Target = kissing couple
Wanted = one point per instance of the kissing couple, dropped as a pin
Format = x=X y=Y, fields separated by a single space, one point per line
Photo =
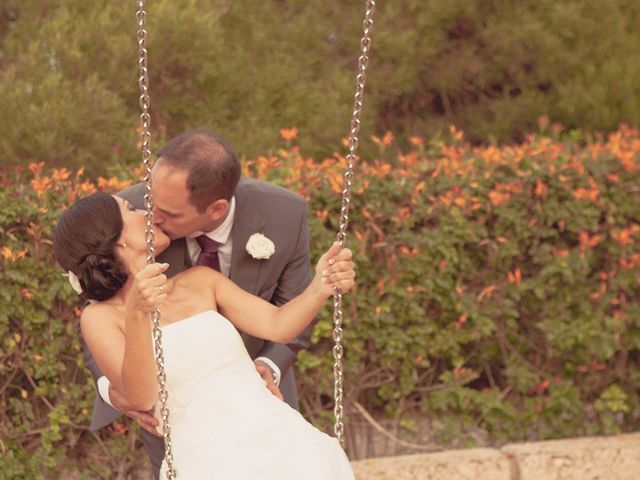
x=237 y=298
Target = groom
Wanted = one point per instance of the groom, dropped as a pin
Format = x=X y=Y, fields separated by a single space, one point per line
x=218 y=219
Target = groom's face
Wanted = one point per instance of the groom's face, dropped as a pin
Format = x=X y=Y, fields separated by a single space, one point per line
x=173 y=212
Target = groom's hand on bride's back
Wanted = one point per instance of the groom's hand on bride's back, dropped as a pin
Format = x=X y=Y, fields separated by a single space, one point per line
x=267 y=375
x=145 y=419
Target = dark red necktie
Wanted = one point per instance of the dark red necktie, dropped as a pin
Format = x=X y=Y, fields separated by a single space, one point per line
x=209 y=254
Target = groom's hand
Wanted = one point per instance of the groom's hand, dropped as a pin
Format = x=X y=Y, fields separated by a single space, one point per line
x=267 y=375
x=145 y=419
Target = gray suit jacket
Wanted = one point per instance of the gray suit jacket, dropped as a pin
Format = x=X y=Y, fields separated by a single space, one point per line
x=281 y=216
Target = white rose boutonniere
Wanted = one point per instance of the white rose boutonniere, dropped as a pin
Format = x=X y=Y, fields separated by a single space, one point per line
x=260 y=247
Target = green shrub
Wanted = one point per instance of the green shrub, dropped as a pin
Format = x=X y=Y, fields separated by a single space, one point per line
x=498 y=287
x=498 y=290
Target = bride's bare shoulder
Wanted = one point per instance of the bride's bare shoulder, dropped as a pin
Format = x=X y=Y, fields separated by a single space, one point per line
x=99 y=313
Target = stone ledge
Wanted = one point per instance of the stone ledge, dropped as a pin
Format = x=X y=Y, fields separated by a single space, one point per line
x=588 y=458
x=449 y=465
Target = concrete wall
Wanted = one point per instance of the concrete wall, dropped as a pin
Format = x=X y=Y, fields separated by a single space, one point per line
x=591 y=458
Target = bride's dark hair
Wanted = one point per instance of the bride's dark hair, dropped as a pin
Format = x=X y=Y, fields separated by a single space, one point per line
x=83 y=243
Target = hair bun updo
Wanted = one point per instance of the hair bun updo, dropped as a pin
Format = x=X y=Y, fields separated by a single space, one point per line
x=101 y=276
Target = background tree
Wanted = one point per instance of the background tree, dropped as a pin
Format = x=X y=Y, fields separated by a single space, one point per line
x=246 y=69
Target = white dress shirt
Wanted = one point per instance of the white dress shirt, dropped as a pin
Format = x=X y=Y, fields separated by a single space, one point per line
x=222 y=235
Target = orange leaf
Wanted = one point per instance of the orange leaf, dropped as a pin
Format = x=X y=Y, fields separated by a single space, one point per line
x=498 y=198
x=541 y=188
x=288 y=134
x=8 y=254
x=514 y=277
x=60 y=174
x=387 y=139
x=486 y=292
x=119 y=428
x=404 y=213
x=460 y=322
x=417 y=141
x=623 y=237
x=586 y=241
x=36 y=168
x=322 y=214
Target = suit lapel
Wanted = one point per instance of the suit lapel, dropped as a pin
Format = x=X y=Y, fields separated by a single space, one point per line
x=245 y=270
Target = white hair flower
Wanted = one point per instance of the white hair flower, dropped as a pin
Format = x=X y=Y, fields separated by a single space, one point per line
x=260 y=247
x=74 y=281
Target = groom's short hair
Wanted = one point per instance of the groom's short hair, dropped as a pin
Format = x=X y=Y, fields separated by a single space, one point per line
x=213 y=168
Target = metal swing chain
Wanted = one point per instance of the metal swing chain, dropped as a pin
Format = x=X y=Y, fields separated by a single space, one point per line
x=145 y=139
x=145 y=136
x=338 y=351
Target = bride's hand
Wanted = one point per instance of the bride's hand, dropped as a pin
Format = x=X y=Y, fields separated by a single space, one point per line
x=149 y=287
x=335 y=270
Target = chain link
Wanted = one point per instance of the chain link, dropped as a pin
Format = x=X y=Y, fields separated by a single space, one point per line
x=338 y=350
x=145 y=140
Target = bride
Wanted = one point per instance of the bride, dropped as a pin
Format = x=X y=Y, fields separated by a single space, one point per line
x=224 y=423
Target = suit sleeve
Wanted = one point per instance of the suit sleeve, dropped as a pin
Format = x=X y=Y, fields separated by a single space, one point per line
x=134 y=195
x=90 y=362
x=295 y=277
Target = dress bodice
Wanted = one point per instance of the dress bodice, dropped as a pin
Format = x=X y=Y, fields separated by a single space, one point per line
x=210 y=375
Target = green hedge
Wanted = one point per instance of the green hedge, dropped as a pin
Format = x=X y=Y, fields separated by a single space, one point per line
x=498 y=291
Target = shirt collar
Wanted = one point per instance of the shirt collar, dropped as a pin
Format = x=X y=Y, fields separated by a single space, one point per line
x=222 y=233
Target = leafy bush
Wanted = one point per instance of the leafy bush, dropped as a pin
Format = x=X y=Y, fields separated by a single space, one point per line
x=498 y=287
x=498 y=291
x=45 y=392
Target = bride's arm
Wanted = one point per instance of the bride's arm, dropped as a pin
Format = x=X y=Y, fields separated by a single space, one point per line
x=126 y=357
x=106 y=341
x=261 y=319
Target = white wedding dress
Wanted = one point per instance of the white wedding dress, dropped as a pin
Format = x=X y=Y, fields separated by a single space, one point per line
x=225 y=424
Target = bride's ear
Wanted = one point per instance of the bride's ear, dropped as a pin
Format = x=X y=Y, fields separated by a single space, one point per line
x=120 y=252
x=120 y=246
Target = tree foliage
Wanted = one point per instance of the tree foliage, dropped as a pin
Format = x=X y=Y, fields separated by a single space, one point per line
x=246 y=69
